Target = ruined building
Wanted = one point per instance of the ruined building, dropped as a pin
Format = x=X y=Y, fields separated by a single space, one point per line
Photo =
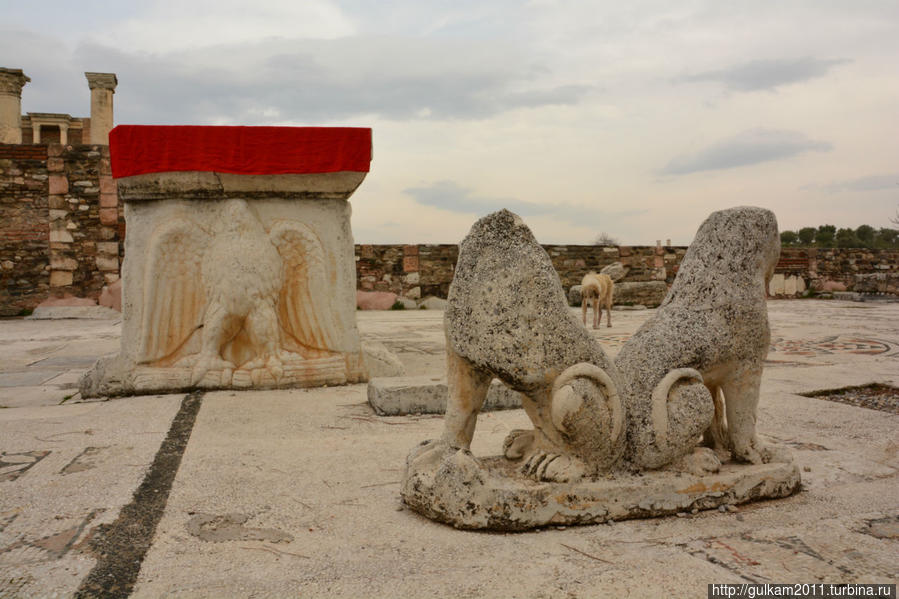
x=61 y=226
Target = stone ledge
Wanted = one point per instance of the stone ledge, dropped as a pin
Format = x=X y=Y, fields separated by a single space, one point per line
x=203 y=185
x=398 y=396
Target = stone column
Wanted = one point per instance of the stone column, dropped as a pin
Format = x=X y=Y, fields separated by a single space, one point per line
x=63 y=133
x=36 y=133
x=11 y=83
x=102 y=88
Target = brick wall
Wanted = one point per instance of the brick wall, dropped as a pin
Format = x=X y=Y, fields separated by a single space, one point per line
x=24 y=230
x=60 y=223
x=421 y=270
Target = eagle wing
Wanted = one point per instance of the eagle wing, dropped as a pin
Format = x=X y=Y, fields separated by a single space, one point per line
x=304 y=305
x=174 y=297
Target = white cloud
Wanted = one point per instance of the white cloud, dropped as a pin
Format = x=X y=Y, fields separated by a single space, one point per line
x=163 y=26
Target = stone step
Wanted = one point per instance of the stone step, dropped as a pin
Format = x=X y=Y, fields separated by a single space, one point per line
x=401 y=395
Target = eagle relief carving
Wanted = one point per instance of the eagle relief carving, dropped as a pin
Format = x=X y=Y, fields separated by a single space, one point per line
x=231 y=303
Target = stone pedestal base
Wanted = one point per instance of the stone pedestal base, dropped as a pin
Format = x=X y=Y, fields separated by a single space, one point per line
x=489 y=493
x=240 y=274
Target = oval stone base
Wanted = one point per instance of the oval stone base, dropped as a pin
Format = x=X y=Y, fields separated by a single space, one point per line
x=489 y=493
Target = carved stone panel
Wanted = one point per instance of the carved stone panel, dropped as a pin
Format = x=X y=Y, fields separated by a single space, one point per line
x=235 y=281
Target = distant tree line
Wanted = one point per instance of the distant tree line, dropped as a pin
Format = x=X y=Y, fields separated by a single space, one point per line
x=828 y=236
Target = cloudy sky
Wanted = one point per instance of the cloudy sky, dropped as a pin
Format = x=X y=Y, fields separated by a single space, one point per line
x=634 y=118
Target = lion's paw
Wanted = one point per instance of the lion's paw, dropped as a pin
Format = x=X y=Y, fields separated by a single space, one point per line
x=517 y=443
x=553 y=467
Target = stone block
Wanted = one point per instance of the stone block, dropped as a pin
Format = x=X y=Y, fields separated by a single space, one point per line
x=776 y=286
x=57 y=202
x=109 y=200
x=398 y=396
x=60 y=278
x=54 y=150
x=433 y=303
x=108 y=248
x=58 y=185
x=412 y=278
x=410 y=264
x=107 y=264
x=109 y=216
x=410 y=250
x=107 y=185
x=375 y=300
x=413 y=293
x=63 y=263
x=274 y=252
x=56 y=165
x=380 y=361
x=62 y=236
x=790 y=285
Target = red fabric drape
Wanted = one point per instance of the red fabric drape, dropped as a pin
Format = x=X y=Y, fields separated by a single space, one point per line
x=139 y=149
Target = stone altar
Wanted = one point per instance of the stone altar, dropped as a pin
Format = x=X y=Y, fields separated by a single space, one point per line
x=238 y=267
x=612 y=439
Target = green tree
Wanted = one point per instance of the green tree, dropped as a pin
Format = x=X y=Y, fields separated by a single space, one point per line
x=865 y=234
x=887 y=238
x=788 y=238
x=846 y=238
x=824 y=236
x=807 y=235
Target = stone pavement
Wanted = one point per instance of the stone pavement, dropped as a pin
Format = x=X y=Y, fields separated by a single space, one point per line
x=295 y=493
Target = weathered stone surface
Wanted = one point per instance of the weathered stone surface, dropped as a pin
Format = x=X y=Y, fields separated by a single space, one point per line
x=403 y=395
x=111 y=295
x=713 y=322
x=60 y=278
x=408 y=303
x=374 y=300
x=616 y=271
x=574 y=295
x=507 y=317
x=647 y=293
x=432 y=303
x=470 y=493
x=254 y=289
x=380 y=361
x=87 y=311
x=66 y=300
x=596 y=422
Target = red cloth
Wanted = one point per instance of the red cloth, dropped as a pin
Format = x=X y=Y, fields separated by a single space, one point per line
x=139 y=149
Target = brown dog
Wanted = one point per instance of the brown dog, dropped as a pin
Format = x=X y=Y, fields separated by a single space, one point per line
x=597 y=289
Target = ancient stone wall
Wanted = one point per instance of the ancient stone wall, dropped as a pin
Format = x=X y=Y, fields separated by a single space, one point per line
x=417 y=271
x=24 y=229
x=60 y=223
x=421 y=270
